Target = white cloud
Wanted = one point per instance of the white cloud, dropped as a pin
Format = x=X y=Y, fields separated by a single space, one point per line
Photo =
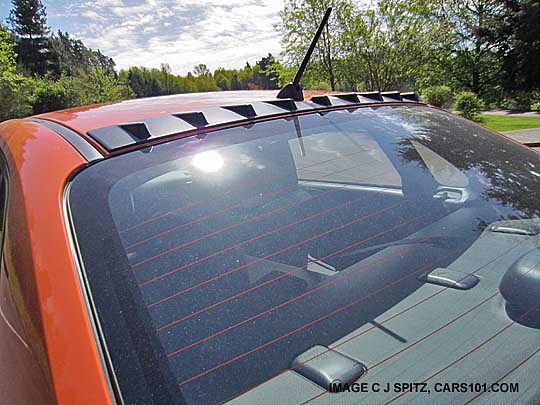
x=181 y=33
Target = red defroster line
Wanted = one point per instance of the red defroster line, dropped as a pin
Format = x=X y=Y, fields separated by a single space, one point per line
x=232 y=226
x=222 y=194
x=415 y=305
x=329 y=314
x=278 y=252
x=248 y=220
x=204 y=200
x=418 y=341
x=168 y=273
x=287 y=302
x=166 y=232
x=522 y=362
x=486 y=341
x=289 y=273
x=194 y=221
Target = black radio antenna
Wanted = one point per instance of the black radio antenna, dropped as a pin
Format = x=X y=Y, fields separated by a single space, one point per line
x=294 y=90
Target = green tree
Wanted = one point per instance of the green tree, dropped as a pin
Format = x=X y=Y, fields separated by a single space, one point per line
x=145 y=82
x=48 y=96
x=14 y=88
x=78 y=91
x=166 y=78
x=222 y=78
x=284 y=72
x=516 y=35
x=299 y=22
x=268 y=77
x=235 y=85
x=201 y=70
x=28 y=20
x=386 y=45
x=464 y=52
x=7 y=55
x=440 y=96
x=70 y=56
x=107 y=88
x=98 y=86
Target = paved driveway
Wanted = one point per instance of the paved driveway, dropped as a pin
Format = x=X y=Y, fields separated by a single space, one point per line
x=530 y=136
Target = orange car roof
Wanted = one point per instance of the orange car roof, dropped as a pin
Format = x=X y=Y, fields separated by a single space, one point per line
x=85 y=119
x=118 y=127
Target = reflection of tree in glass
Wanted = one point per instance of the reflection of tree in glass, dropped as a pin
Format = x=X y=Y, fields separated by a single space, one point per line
x=509 y=172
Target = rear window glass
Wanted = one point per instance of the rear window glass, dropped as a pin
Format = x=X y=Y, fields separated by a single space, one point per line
x=215 y=261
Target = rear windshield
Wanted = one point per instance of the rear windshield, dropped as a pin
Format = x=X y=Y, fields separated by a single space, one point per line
x=215 y=261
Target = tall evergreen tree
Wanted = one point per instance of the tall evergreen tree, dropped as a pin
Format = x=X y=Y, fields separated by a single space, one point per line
x=71 y=57
x=516 y=33
x=472 y=59
x=28 y=19
x=269 y=78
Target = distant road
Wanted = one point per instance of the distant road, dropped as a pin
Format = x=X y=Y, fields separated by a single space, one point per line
x=531 y=135
x=512 y=113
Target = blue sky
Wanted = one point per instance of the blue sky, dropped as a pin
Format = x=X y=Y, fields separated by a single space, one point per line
x=181 y=33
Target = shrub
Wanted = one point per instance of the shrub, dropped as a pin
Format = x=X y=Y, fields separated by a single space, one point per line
x=440 y=96
x=107 y=88
x=48 y=96
x=97 y=87
x=535 y=106
x=15 y=99
x=468 y=104
x=518 y=101
x=14 y=88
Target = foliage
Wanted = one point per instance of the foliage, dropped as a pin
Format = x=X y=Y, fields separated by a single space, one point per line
x=462 y=51
x=78 y=90
x=70 y=56
x=440 y=96
x=299 y=22
x=7 y=54
x=28 y=21
x=98 y=86
x=515 y=34
x=202 y=70
x=518 y=100
x=487 y=47
x=13 y=86
x=267 y=77
x=386 y=45
x=468 y=104
x=284 y=72
x=28 y=18
x=380 y=46
x=106 y=87
x=156 y=82
x=15 y=103
x=47 y=96
x=535 y=106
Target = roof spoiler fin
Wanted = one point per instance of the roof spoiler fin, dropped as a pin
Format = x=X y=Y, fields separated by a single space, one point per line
x=294 y=90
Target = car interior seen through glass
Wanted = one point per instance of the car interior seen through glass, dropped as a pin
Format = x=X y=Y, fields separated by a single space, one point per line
x=216 y=262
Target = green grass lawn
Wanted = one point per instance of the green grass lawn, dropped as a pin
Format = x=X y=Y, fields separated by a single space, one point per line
x=502 y=123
